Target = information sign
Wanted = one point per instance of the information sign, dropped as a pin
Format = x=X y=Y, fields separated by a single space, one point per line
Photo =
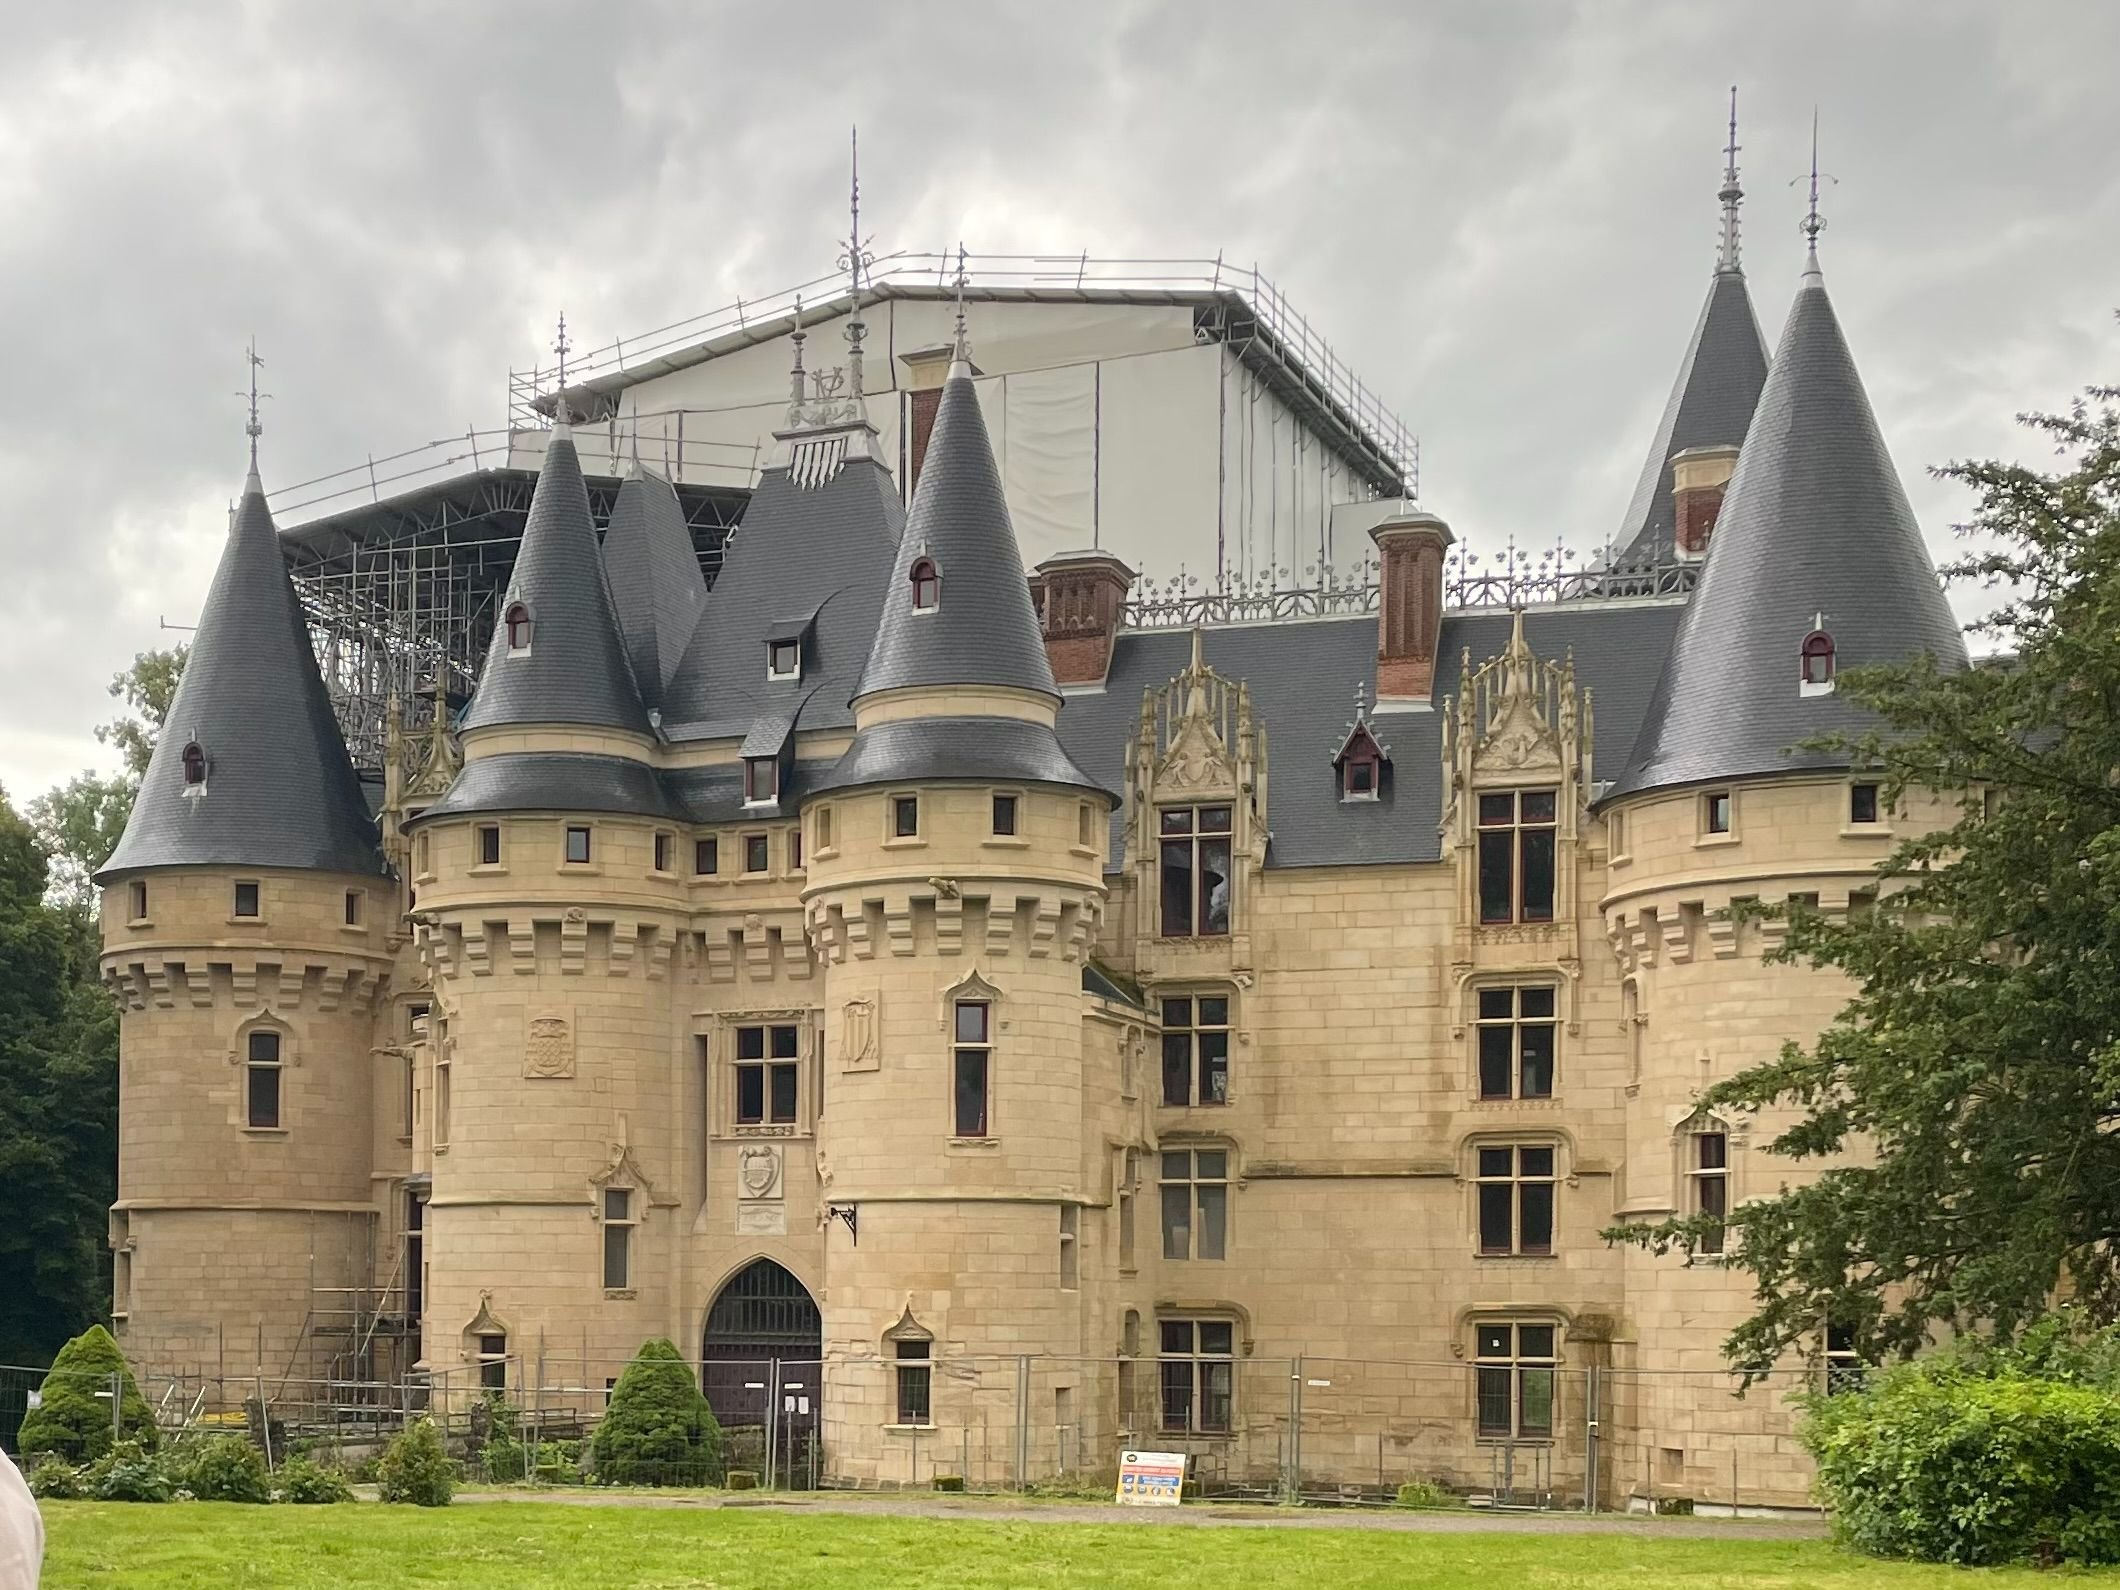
x=1151 y=1479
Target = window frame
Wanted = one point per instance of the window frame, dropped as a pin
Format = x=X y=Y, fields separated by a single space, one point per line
x=1718 y=806
x=1208 y=1393
x=256 y=896
x=1515 y=1023
x=1859 y=792
x=1198 y=1190
x=913 y=1377
x=777 y=1075
x=195 y=766
x=1199 y=1036
x=925 y=578
x=664 y=851
x=774 y=649
x=136 y=900
x=1521 y=839
x=259 y=1066
x=900 y=811
x=761 y=780
x=972 y=1057
x=1008 y=801
x=492 y=1361
x=1520 y=1180
x=618 y=1232
x=1515 y=1367
x=489 y=844
x=520 y=625
x=1709 y=1185
x=586 y=834
x=761 y=846
x=1817 y=664
x=356 y=908
x=1186 y=829
x=706 y=848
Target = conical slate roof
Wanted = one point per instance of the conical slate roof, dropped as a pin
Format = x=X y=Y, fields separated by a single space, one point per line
x=1815 y=532
x=1711 y=405
x=656 y=587
x=984 y=631
x=280 y=790
x=575 y=669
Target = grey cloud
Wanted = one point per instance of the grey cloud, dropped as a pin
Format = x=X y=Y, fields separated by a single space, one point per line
x=1503 y=214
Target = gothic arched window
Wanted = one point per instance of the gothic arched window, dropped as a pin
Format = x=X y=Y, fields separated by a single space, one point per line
x=927 y=586
x=1817 y=672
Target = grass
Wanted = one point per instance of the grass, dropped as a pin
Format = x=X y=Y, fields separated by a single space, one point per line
x=520 y=1546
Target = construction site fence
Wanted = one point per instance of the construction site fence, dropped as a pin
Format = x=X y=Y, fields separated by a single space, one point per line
x=1304 y=1428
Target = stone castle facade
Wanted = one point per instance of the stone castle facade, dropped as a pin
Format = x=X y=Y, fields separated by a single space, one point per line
x=892 y=963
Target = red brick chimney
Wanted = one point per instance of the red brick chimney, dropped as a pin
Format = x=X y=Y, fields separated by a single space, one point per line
x=1699 y=476
x=1081 y=599
x=1411 y=545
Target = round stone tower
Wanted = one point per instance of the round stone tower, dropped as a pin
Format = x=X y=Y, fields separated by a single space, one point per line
x=955 y=859
x=1816 y=564
x=245 y=919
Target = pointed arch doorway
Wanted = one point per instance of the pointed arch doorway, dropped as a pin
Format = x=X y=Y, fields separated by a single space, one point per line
x=763 y=1313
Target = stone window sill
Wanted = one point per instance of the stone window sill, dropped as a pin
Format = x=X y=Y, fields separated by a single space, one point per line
x=1866 y=831
x=359 y=929
x=905 y=842
x=620 y=1294
x=1709 y=841
x=247 y=921
x=825 y=853
x=491 y=869
x=263 y=1131
x=1516 y=1258
x=581 y=869
x=975 y=1142
x=1006 y=842
x=141 y=922
x=909 y=1429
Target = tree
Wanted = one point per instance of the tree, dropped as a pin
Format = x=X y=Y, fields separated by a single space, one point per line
x=58 y=1110
x=658 y=1429
x=1967 y=1098
x=82 y=820
x=71 y=1418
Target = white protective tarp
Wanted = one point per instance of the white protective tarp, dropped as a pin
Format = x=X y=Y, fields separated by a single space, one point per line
x=1158 y=461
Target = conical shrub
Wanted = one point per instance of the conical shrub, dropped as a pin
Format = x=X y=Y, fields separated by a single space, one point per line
x=71 y=1419
x=658 y=1429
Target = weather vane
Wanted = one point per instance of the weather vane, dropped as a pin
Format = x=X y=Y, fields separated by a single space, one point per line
x=254 y=427
x=560 y=346
x=962 y=280
x=855 y=258
x=1732 y=195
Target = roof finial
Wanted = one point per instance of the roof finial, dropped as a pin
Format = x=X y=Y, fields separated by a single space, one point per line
x=1732 y=195
x=854 y=259
x=795 y=388
x=1813 y=223
x=254 y=427
x=560 y=346
x=961 y=349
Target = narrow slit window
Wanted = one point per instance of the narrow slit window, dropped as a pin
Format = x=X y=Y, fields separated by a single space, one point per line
x=136 y=898
x=663 y=843
x=353 y=907
x=1711 y=1185
x=618 y=1238
x=261 y=1090
x=518 y=627
x=973 y=1069
x=927 y=586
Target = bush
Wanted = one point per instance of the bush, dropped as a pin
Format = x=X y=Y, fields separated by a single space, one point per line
x=415 y=1469
x=305 y=1481
x=743 y=1479
x=71 y=1419
x=56 y=1480
x=949 y=1482
x=504 y=1459
x=559 y=1462
x=1422 y=1493
x=128 y=1472
x=1979 y=1456
x=658 y=1429
x=227 y=1468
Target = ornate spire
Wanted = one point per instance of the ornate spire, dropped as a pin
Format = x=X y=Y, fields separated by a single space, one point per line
x=1813 y=223
x=560 y=346
x=796 y=390
x=854 y=259
x=254 y=427
x=1732 y=195
x=961 y=345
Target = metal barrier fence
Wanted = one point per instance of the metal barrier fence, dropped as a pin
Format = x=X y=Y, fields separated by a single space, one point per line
x=1503 y=1433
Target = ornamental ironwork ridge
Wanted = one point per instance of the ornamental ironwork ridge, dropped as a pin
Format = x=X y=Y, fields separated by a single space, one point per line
x=1496 y=583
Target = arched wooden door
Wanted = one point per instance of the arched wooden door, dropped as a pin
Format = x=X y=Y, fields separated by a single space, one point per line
x=763 y=1313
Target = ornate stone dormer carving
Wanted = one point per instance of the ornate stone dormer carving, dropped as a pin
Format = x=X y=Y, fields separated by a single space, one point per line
x=1198 y=746
x=1521 y=725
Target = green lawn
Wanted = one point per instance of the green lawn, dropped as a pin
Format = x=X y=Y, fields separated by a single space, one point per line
x=519 y=1546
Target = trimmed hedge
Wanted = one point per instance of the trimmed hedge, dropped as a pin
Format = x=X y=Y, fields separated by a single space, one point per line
x=71 y=1419
x=1980 y=1455
x=227 y=1468
x=658 y=1429
x=415 y=1468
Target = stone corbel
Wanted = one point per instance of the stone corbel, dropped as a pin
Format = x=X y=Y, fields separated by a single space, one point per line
x=1678 y=937
x=1642 y=937
x=949 y=924
x=156 y=978
x=625 y=939
x=574 y=940
x=242 y=983
x=898 y=923
x=1000 y=925
x=720 y=952
x=659 y=956
x=794 y=953
x=1722 y=936
x=522 y=946
x=859 y=939
x=1045 y=925
x=757 y=946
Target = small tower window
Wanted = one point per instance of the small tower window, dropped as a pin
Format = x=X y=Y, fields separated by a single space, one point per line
x=246 y=899
x=577 y=845
x=1005 y=815
x=519 y=627
x=1817 y=666
x=261 y=1091
x=927 y=586
x=136 y=899
x=784 y=659
x=194 y=764
x=905 y=816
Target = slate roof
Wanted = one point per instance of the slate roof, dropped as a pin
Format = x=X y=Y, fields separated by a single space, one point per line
x=984 y=630
x=821 y=552
x=576 y=669
x=280 y=790
x=557 y=781
x=1002 y=749
x=1302 y=676
x=1711 y=404
x=657 y=591
x=1815 y=521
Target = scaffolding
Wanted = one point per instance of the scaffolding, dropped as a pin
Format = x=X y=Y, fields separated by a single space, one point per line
x=402 y=591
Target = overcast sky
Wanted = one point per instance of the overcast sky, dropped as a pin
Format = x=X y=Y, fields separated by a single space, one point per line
x=1503 y=214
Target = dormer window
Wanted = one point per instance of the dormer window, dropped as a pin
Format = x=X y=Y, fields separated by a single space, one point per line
x=1360 y=760
x=1817 y=664
x=519 y=626
x=761 y=779
x=927 y=586
x=194 y=765
x=784 y=659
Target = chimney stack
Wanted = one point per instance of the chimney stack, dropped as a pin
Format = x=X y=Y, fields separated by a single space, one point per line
x=1699 y=476
x=1081 y=599
x=1411 y=545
